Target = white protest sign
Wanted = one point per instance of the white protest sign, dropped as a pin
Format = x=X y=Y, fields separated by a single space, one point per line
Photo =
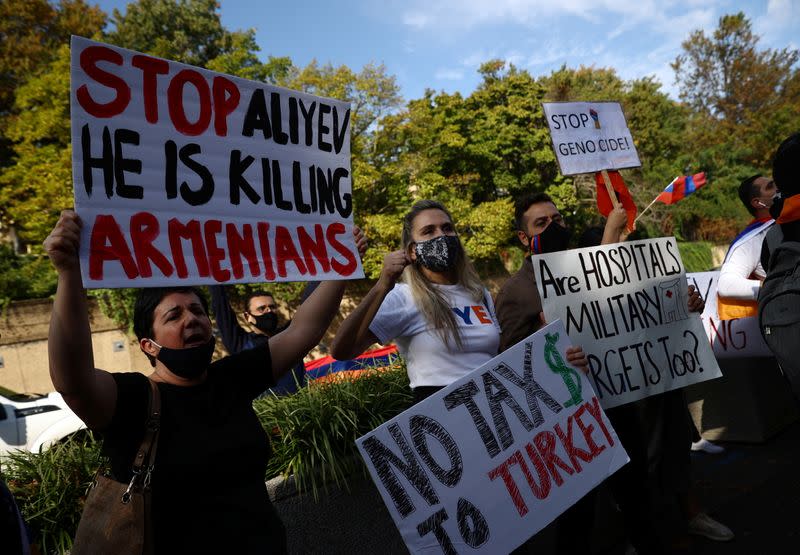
x=626 y=305
x=488 y=461
x=183 y=175
x=739 y=337
x=590 y=136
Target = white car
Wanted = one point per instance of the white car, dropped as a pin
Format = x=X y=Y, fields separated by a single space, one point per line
x=35 y=422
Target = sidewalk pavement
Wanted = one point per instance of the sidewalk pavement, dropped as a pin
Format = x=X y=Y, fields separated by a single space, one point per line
x=754 y=489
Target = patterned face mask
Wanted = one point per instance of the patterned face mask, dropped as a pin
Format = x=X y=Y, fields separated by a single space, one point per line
x=438 y=254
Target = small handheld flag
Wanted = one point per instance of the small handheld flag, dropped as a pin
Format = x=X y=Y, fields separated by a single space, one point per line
x=604 y=202
x=681 y=187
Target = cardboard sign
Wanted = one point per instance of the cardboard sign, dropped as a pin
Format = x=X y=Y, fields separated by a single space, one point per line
x=739 y=337
x=626 y=305
x=186 y=176
x=590 y=136
x=488 y=461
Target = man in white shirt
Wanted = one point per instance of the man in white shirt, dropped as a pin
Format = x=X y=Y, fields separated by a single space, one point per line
x=741 y=274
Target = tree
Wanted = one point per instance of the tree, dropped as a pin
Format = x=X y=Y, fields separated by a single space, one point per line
x=735 y=89
x=31 y=32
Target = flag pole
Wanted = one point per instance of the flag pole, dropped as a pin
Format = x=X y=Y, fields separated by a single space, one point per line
x=611 y=193
x=647 y=208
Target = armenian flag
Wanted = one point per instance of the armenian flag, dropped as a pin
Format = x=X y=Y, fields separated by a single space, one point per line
x=681 y=187
x=328 y=368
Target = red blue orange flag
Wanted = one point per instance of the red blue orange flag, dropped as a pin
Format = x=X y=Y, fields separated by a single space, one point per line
x=681 y=187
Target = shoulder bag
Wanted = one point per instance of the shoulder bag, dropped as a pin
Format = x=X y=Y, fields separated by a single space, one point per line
x=116 y=516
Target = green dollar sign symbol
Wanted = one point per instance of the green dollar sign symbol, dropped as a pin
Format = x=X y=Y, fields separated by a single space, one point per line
x=571 y=379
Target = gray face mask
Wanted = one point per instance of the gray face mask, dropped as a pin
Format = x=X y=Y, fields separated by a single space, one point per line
x=439 y=254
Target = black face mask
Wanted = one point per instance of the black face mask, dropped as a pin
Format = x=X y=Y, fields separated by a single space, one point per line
x=777 y=206
x=553 y=238
x=439 y=254
x=188 y=363
x=267 y=322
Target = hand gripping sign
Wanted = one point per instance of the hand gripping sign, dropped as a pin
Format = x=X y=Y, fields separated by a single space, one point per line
x=488 y=461
x=626 y=305
x=184 y=175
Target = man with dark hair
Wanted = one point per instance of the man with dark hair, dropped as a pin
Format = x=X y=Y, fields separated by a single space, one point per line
x=541 y=229
x=261 y=312
x=742 y=274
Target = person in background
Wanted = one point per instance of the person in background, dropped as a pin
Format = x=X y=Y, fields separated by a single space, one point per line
x=541 y=229
x=778 y=302
x=741 y=273
x=261 y=312
x=441 y=316
x=786 y=207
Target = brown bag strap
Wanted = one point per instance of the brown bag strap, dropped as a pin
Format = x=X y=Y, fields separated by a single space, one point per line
x=147 y=450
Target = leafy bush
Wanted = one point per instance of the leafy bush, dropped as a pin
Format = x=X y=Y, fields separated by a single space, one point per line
x=313 y=434
x=50 y=488
x=696 y=256
x=24 y=276
x=314 y=431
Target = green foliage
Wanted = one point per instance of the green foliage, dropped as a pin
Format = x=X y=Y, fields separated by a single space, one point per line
x=50 y=489
x=25 y=276
x=314 y=431
x=117 y=304
x=696 y=256
x=472 y=152
x=188 y=31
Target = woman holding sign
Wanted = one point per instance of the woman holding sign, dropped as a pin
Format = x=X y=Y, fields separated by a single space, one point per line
x=208 y=493
x=441 y=316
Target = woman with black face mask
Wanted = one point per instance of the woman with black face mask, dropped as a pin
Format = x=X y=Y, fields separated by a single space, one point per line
x=207 y=481
x=440 y=316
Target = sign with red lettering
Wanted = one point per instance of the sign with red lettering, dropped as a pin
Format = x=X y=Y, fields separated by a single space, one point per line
x=491 y=459
x=739 y=337
x=626 y=304
x=590 y=136
x=184 y=175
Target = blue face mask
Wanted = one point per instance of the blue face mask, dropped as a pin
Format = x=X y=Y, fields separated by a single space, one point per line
x=438 y=254
x=188 y=363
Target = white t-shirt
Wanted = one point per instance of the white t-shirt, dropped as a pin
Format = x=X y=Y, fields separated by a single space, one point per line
x=429 y=361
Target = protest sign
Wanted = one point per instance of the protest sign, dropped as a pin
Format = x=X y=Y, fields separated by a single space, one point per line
x=488 y=461
x=590 y=136
x=183 y=175
x=626 y=305
x=739 y=337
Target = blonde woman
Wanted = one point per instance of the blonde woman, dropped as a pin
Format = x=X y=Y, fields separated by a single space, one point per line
x=441 y=316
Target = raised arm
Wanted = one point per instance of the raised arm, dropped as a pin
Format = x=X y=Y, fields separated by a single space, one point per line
x=354 y=335
x=615 y=226
x=90 y=392
x=310 y=321
x=233 y=336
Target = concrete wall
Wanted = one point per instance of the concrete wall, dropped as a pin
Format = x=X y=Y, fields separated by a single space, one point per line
x=23 y=346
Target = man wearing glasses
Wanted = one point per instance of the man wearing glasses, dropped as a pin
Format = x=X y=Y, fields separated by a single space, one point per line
x=261 y=312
